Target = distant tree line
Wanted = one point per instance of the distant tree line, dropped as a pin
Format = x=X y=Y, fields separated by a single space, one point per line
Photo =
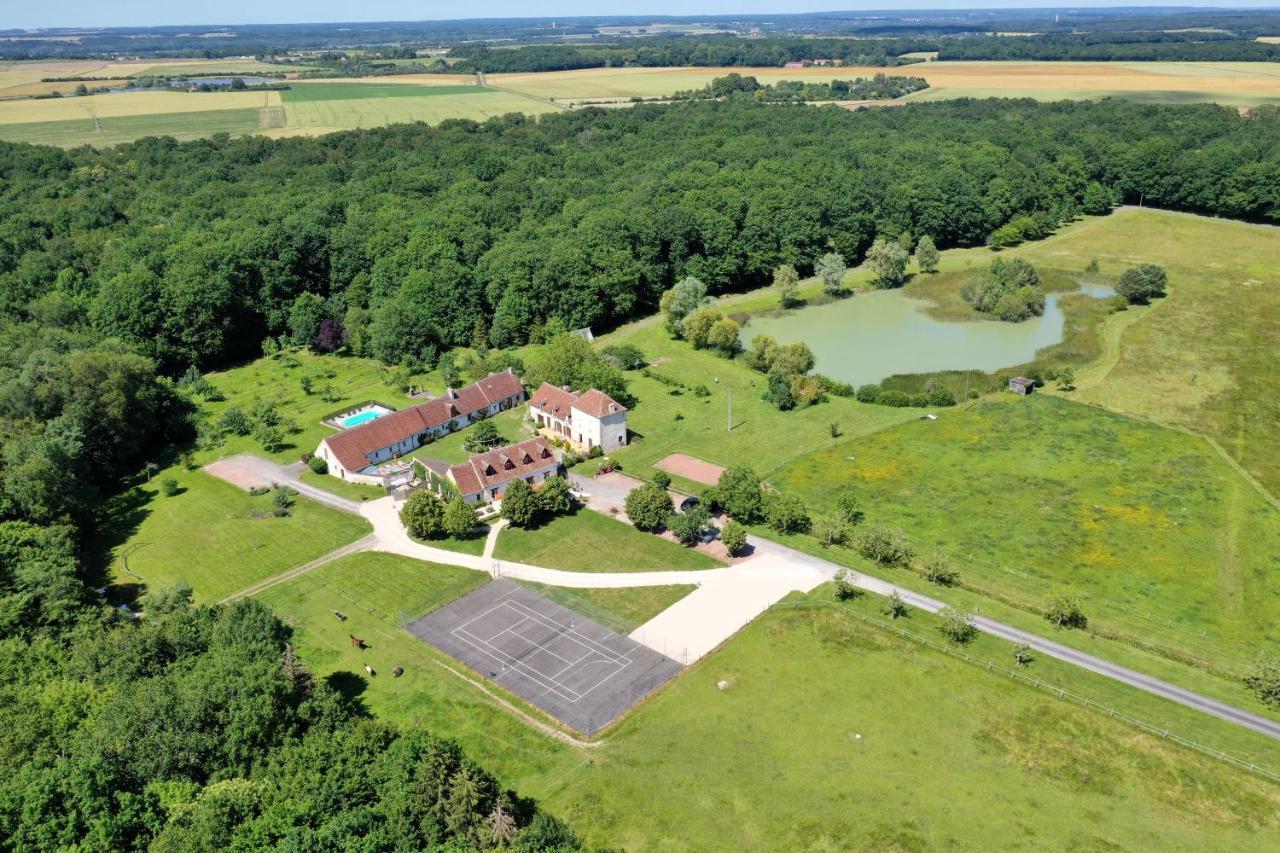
x=404 y=241
x=1111 y=47
x=879 y=87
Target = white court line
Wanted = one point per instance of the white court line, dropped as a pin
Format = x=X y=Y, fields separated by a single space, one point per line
x=549 y=682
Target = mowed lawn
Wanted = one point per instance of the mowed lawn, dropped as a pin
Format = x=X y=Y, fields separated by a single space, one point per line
x=588 y=541
x=1203 y=357
x=214 y=536
x=376 y=592
x=830 y=734
x=621 y=609
x=1026 y=495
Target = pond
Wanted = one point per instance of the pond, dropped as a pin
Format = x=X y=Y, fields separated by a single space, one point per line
x=869 y=337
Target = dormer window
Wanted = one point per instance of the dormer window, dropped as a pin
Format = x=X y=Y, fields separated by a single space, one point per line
x=526 y=460
x=545 y=454
x=489 y=471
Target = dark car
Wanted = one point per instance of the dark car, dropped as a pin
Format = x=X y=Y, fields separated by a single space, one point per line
x=689 y=503
x=710 y=534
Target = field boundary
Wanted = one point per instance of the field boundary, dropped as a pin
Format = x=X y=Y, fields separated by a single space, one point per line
x=1058 y=692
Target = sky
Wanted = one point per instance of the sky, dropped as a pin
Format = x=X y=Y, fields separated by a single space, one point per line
x=129 y=13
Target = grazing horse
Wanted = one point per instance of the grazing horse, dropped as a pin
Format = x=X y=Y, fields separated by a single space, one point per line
x=342 y=617
x=369 y=670
x=357 y=642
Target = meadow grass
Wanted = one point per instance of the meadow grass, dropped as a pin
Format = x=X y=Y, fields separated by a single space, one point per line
x=1028 y=495
x=588 y=541
x=1202 y=357
x=377 y=592
x=833 y=734
x=213 y=536
x=622 y=609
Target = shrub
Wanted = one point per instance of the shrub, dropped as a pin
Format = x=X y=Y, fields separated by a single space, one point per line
x=1022 y=655
x=734 y=537
x=554 y=497
x=423 y=515
x=662 y=479
x=1010 y=290
x=831 y=530
x=459 y=518
x=1140 y=284
x=787 y=514
x=595 y=452
x=688 y=526
x=938 y=569
x=849 y=508
x=270 y=437
x=739 y=493
x=281 y=500
x=649 y=507
x=701 y=391
x=1063 y=610
x=318 y=465
x=835 y=387
x=483 y=436
x=1264 y=680
x=258 y=491
x=779 y=392
x=846 y=585
x=940 y=395
x=520 y=505
x=235 y=421
x=894 y=606
x=887 y=546
x=623 y=356
x=169 y=487
x=956 y=626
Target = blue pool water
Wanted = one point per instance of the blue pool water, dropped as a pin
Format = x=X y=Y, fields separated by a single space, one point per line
x=362 y=418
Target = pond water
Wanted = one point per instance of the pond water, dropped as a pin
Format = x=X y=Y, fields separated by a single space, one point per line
x=872 y=336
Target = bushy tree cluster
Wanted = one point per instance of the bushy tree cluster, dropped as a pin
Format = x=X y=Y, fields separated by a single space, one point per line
x=1009 y=290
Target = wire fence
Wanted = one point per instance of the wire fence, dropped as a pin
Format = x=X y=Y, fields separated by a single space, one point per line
x=1058 y=692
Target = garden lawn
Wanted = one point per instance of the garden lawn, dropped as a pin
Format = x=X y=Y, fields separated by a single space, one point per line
x=1029 y=494
x=343 y=488
x=376 y=592
x=588 y=541
x=622 y=609
x=215 y=536
x=830 y=734
x=512 y=427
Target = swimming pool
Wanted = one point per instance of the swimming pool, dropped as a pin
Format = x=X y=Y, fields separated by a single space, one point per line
x=363 y=417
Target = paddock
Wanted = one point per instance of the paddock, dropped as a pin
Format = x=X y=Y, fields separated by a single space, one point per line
x=579 y=672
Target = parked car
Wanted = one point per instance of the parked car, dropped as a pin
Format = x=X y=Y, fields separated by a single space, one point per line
x=689 y=503
x=710 y=534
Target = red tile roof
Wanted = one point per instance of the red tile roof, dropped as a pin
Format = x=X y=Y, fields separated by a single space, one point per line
x=558 y=401
x=486 y=470
x=353 y=446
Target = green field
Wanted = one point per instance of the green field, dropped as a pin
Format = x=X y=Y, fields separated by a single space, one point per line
x=214 y=536
x=588 y=541
x=351 y=106
x=112 y=130
x=622 y=609
x=1026 y=495
x=833 y=735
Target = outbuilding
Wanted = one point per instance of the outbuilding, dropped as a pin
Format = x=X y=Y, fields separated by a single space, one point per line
x=1022 y=385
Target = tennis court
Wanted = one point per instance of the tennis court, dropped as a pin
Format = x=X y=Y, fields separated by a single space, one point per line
x=576 y=670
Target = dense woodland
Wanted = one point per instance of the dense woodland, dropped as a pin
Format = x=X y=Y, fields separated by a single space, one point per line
x=416 y=239
x=879 y=87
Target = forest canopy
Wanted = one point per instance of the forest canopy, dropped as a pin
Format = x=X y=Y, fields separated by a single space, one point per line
x=414 y=239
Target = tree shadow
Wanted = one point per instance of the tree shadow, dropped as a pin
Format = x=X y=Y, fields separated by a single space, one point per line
x=349 y=685
x=118 y=520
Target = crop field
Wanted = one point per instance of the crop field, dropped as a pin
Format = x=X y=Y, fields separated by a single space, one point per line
x=1236 y=84
x=811 y=730
x=321 y=108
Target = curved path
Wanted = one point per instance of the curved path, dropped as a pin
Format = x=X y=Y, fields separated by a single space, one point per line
x=725 y=599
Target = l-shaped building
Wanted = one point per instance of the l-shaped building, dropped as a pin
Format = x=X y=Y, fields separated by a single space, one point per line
x=355 y=454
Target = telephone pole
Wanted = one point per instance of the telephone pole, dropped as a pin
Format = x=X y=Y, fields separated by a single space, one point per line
x=728 y=426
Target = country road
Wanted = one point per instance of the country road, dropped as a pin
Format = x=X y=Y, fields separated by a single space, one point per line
x=725 y=599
